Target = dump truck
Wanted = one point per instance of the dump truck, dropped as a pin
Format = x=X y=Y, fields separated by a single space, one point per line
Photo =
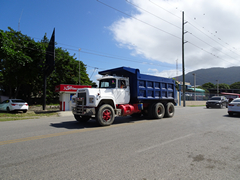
x=125 y=91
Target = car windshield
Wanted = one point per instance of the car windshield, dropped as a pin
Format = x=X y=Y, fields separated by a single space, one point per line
x=216 y=98
x=107 y=83
x=18 y=101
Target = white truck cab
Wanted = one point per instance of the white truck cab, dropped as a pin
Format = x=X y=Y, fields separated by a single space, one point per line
x=112 y=90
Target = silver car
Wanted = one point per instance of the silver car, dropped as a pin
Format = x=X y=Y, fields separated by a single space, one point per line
x=234 y=107
x=14 y=105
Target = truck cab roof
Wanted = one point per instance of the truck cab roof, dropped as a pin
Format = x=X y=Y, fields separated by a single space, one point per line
x=121 y=71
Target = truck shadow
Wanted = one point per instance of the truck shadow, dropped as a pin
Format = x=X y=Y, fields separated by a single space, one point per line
x=93 y=124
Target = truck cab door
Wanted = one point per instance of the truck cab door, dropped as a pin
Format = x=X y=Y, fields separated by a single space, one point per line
x=122 y=92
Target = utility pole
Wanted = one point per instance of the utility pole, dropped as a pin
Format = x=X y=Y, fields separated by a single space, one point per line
x=194 y=78
x=19 y=21
x=217 y=87
x=177 y=70
x=79 y=65
x=183 y=66
x=48 y=65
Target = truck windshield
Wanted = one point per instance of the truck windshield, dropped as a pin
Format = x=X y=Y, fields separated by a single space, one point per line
x=107 y=83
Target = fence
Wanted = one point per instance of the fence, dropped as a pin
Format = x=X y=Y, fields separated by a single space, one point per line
x=200 y=99
x=190 y=96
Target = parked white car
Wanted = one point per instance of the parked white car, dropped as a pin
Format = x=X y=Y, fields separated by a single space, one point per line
x=14 y=105
x=234 y=107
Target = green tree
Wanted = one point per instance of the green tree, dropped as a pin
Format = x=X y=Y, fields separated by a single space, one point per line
x=208 y=85
x=20 y=59
x=21 y=67
x=223 y=86
x=235 y=85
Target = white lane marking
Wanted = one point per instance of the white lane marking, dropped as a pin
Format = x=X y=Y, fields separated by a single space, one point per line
x=164 y=143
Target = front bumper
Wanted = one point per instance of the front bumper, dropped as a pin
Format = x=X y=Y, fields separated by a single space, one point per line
x=83 y=111
x=213 y=104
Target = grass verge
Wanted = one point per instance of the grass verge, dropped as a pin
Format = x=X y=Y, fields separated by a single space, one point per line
x=196 y=105
x=22 y=116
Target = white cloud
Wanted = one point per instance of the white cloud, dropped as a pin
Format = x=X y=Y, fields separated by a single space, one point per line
x=96 y=77
x=212 y=35
x=165 y=73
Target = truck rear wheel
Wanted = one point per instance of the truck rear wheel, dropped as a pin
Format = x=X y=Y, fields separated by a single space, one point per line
x=169 y=110
x=82 y=119
x=105 y=115
x=158 y=111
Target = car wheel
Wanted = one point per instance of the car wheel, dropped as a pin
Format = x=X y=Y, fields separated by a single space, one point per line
x=207 y=106
x=230 y=113
x=8 y=110
x=221 y=105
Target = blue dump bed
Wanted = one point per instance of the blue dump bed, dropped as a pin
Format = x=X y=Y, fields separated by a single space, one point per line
x=146 y=88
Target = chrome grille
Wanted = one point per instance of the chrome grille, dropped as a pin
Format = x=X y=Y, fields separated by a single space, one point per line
x=82 y=95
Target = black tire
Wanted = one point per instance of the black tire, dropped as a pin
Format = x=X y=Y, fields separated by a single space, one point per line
x=226 y=105
x=82 y=119
x=169 y=110
x=105 y=115
x=8 y=110
x=207 y=107
x=158 y=111
x=230 y=113
x=24 y=111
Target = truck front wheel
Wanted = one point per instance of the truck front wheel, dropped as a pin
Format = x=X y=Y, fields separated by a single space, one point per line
x=169 y=110
x=82 y=119
x=105 y=115
x=158 y=111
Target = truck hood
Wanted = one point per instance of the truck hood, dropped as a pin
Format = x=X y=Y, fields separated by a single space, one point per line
x=96 y=91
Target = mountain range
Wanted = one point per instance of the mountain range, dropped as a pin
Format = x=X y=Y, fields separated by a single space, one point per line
x=222 y=75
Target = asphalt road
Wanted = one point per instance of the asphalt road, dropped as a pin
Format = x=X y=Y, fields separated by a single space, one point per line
x=197 y=143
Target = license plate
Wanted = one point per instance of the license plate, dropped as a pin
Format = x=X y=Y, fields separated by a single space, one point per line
x=20 y=105
x=238 y=105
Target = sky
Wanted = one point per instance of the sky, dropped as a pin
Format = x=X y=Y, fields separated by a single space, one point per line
x=142 y=34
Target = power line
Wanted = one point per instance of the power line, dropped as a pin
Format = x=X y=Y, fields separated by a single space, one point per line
x=199 y=30
x=165 y=9
x=211 y=38
x=208 y=52
x=195 y=27
x=119 y=58
x=154 y=15
x=213 y=47
x=93 y=72
x=139 y=20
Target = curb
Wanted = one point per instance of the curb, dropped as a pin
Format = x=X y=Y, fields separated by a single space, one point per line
x=65 y=113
